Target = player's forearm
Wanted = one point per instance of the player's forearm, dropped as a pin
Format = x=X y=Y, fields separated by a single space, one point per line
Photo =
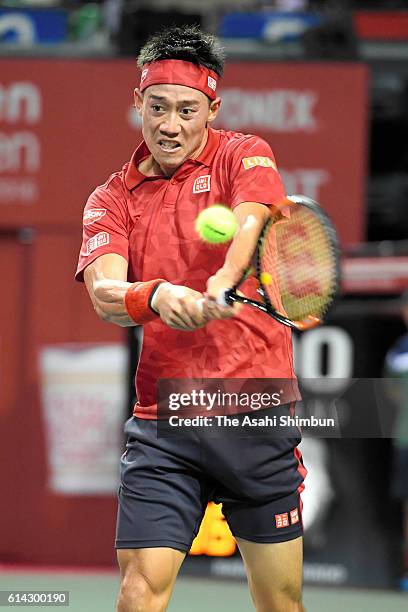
x=239 y=255
x=109 y=301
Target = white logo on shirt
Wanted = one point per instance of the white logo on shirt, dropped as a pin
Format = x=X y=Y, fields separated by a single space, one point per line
x=202 y=183
x=94 y=215
x=96 y=241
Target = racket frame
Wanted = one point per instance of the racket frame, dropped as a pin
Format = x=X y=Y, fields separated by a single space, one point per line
x=266 y=306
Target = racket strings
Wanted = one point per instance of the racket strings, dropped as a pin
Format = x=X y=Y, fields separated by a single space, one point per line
x=299 y=257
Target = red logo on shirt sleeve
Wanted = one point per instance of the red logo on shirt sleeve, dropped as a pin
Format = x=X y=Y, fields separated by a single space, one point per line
x=282 y=520
x=93 y=215
x=96 y=241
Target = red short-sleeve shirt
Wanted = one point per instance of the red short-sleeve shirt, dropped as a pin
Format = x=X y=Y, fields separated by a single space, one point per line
x=150 y=222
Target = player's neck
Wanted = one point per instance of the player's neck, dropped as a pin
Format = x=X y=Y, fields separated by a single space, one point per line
x=150 y=167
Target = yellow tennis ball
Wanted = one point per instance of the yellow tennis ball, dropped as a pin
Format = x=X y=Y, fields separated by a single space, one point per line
x=265 y=278
x=216 y=224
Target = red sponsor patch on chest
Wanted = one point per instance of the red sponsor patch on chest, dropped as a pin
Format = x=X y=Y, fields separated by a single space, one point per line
x=202 y=183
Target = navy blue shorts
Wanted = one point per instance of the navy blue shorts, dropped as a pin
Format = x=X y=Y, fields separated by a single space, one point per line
x=166 y=483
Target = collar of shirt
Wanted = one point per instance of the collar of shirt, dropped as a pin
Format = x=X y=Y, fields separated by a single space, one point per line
x=133 y=177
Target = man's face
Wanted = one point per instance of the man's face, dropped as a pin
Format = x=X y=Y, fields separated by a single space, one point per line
x=174 y=119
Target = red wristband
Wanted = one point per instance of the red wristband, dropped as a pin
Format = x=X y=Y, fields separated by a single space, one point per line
x=138 y=301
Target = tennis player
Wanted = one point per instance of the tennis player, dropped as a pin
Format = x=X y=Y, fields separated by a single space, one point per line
x=143 y=264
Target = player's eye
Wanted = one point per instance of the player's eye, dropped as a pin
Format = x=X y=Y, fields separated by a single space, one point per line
x=186 y=111
x=156 y=108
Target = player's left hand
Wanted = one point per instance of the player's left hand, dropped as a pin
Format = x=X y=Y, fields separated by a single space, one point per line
x=216 y=285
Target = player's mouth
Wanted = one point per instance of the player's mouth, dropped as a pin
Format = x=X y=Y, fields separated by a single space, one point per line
x=169 y=146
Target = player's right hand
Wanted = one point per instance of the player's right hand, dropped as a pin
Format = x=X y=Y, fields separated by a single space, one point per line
x=179 y=307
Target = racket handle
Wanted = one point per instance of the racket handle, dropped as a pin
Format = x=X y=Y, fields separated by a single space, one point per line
x=200 y=304
x=224 y=297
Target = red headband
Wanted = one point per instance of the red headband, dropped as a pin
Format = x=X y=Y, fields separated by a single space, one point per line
x=178 y=72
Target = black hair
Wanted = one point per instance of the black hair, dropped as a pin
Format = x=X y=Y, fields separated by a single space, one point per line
x=186 y=43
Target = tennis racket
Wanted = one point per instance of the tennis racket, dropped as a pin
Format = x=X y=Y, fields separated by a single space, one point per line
x=297 y=262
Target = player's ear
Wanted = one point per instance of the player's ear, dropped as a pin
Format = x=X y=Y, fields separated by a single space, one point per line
x=138 y=98
x=214 y=108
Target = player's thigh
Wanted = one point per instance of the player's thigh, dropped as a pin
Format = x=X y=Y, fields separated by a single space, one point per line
x=154 y=569
x=274 y=574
